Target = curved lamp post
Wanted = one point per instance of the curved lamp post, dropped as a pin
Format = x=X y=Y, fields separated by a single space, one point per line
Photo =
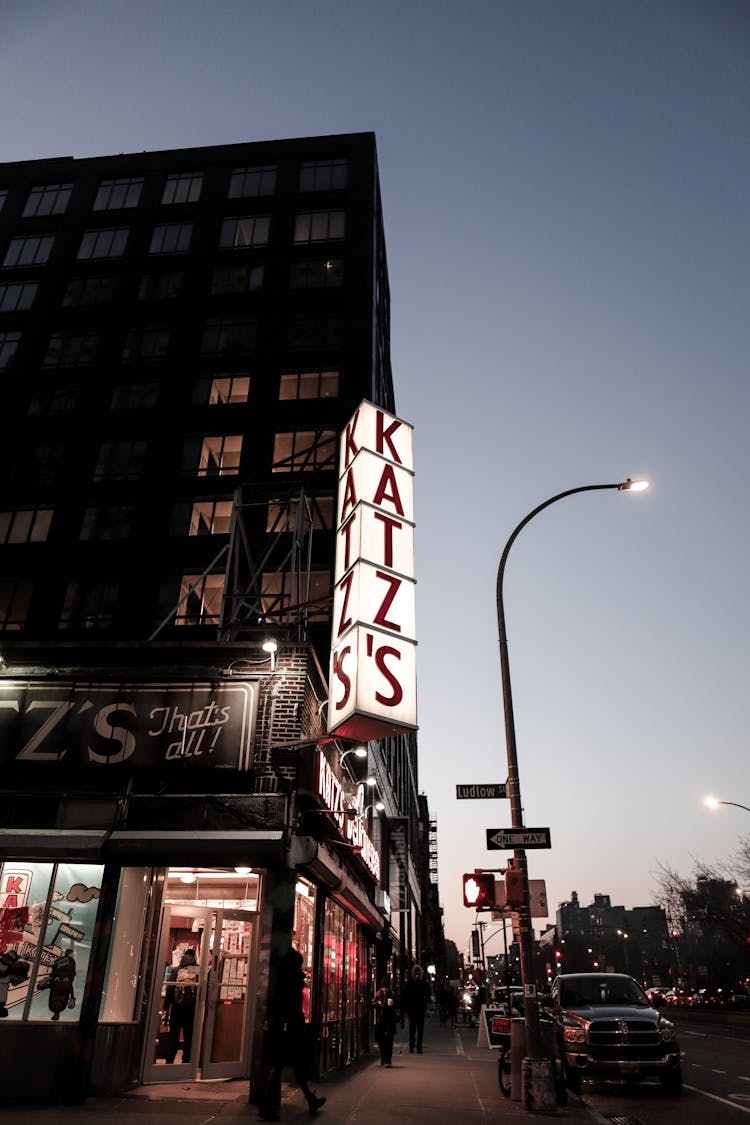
x=538 y=1072
x=714 y=802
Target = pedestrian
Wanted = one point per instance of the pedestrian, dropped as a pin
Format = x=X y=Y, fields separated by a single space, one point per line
x=179 y=1006
x=386 y=1021
x=285 y=1038
x=453 y=1005
x=441 y=999
x=416 y=999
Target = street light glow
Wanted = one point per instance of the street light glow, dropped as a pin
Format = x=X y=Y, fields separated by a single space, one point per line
x=711 y=803
x=633 y=485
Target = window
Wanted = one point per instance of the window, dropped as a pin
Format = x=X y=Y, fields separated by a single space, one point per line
x=89 y=605
x=248 y=182
x=14 y=605
x=236 y=279
x=210 y=517
x=183 y=187
x=107 y=243
x=28 y=525
x=118 y=195
x=55 y=400
x=41 y=465
x=229 y=335
x=49 y=199
x=285 y=594
x=318 y=226
x=310 y=331
x=161 y=286
x=89 y=291
x=121 y=460
x=221 y=390
x=323 y=175
x=171 y=238
x=283 y=514
x=309 y=384
x=200 y=599
x=107 y=523
x=135 y=396
x=150 y=341
x=71 y=349
x=250 y=230
x=317 y=274
x=33 y=250
x=8 y=344
x=17 y=296
x=220 y=456
x=302 y=451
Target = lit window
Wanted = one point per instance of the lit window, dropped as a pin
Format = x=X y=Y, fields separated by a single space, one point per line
x=17 y=296
x=323 y=175
x=89 y=605
x=14 y=605
x=326 y=273
x=302 y=451
x=229 y=388
x=236 y=279
x=117 y=195
x=8 y=344
x=183 y=187
x=318 y=226
x=284 y=515
x=201 y=599
x=71 y=349
x=248 y=230
x=210 y=517
x=89 y=291
x=220 y=456
x=286 y=595
x=249 y=182
x=49 y=199
x=107 y=522
x=228 y=335
x=29 y=525
x=161 y=286
x=171 y=238
x=33 y=250
x=135 y=396
x=107 y=243
x=309 y=384
x=151 y=341
x=121 y=460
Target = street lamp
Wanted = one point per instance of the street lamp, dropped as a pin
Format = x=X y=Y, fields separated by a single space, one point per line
x=714 y=802
x=538 y=1072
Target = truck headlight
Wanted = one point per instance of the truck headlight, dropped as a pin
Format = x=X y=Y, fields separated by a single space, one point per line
x=667 y=1033
x=574 y=1035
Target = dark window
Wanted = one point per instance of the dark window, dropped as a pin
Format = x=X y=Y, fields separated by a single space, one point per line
x=55 y=400
x=304 y=451
x=161 y=286
x=229 y=335
x=150 y=341
x=107 y=243
x=309 y=384
x=14 y=604
x=71 y=349
x=17 y=296
x=89 y=605
x=317 y=274
x=121 y=460
x=42 y=465
x=33 y=250
x=248 y=182
x=135 y=396
x=248 y=230
x=3 y=197
x=183 y=187
x=319 y=226
x=27 y=525
x=309 y=331
x=107 y=523
x=117 y=195
x=236 y=279
x=49 y=199
x=285 y=594
x=8 y=344
x=171 y=238
x=89 y=291
x=323 y=175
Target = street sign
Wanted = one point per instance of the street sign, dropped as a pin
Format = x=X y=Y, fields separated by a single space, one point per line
x=507 y=838
x=480 y=792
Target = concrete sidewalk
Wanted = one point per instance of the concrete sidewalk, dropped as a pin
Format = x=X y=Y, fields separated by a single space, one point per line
x=451 y=1083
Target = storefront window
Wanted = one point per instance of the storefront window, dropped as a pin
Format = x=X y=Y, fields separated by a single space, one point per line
x=304 y=934
x=126 y=947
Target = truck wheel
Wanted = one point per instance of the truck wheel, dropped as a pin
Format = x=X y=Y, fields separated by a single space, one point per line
x=671 y=1082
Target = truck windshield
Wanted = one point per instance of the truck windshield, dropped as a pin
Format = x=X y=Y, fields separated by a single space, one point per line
x=603 y=990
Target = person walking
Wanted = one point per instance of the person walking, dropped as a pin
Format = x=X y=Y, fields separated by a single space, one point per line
x=179 y=1006
x=416 y=999
x=285 y=1039
x=386 y=1021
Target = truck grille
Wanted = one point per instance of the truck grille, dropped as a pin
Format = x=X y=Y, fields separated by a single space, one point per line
x=637 y=1036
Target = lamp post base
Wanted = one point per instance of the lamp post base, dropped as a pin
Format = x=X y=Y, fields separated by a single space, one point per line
x=538 y=1085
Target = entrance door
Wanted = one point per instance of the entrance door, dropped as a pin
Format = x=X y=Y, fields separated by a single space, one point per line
x=199 y=1028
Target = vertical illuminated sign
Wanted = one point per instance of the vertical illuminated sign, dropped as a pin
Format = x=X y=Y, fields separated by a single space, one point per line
x=372 y=680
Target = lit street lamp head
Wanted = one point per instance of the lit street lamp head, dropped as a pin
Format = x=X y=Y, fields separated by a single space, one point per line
x=714 y=802
x=632 y=485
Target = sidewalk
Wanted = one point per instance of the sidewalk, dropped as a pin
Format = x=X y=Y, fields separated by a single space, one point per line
x=451 y=1083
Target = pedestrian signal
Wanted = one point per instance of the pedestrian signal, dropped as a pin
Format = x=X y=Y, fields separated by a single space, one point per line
x=479 y=891
x=513 y=887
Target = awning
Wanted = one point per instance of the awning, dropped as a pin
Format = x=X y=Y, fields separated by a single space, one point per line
x=258 y=848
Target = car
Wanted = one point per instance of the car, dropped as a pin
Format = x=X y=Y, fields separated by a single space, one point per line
x=606 y=1027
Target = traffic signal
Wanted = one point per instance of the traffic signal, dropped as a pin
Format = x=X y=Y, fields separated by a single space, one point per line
x=479 y=891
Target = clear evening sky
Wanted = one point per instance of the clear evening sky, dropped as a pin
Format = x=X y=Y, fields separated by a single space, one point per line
x=566 y=198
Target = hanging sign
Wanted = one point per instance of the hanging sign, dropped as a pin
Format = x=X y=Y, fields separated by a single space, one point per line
x=372 y=680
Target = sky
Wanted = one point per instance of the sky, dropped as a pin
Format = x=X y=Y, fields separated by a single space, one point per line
x=566 y=193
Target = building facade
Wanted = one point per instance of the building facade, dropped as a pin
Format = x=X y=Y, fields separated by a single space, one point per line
x=183 y=336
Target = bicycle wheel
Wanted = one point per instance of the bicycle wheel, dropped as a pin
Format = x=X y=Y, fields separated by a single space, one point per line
x=503 y=1071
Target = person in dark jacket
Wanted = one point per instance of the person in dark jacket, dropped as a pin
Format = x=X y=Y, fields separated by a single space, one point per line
x=386 y=1021
x=416 y=999
x=285 y=1038
x=179 y=1006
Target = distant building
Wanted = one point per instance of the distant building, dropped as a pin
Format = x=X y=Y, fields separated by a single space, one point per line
x=605 y=938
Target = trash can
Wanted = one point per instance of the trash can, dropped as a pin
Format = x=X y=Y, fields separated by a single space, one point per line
x=518 y=1051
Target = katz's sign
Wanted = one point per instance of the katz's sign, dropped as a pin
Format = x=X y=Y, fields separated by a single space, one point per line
x=372 y=679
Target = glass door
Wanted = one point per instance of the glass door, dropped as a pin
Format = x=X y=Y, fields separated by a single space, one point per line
x=230 y=995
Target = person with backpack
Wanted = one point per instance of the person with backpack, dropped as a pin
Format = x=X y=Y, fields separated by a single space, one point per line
x=179 y=1005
